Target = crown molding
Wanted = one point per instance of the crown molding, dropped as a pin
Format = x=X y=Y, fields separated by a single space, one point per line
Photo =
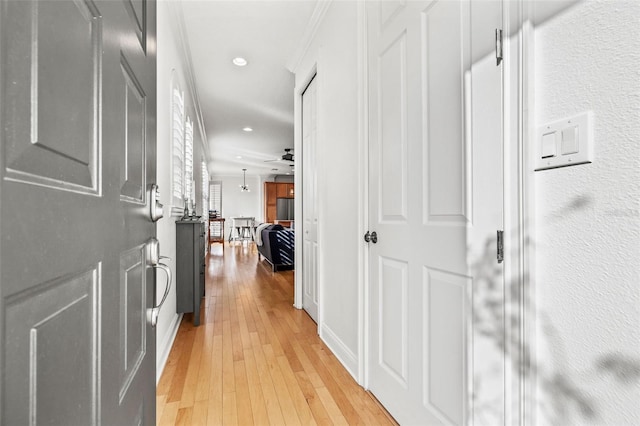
x=317 y=16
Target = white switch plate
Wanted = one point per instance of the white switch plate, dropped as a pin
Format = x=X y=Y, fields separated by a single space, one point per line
x=582 y=145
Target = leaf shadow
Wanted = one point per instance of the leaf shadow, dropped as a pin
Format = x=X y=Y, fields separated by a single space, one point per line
x=562 y=392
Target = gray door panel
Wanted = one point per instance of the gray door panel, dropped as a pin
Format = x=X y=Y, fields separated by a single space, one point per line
x=77 y=134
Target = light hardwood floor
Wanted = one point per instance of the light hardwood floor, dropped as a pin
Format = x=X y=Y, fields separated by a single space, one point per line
x=255 y=359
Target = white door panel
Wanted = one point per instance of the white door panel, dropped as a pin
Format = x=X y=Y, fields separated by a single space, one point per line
x=435 y=182
x=309 y=200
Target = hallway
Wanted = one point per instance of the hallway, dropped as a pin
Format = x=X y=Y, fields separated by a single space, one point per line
x=255 y=359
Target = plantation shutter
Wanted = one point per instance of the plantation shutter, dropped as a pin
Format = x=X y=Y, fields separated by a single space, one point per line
x=215 y=197
x=177 y=156
x=205 y=190
x=188 y=159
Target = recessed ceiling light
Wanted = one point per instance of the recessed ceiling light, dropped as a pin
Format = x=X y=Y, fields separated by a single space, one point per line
x=238 y=156
x=241 y=62
x=247 y=129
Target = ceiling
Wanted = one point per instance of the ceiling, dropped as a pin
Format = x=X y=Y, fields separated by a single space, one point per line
x=259 y=95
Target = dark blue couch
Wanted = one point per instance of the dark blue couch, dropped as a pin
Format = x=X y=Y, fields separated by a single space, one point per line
x=278 y=247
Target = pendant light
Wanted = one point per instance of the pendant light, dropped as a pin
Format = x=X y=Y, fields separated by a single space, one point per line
x=244 y=187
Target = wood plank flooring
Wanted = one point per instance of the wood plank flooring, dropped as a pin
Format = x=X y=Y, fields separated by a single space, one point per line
x=255 y=360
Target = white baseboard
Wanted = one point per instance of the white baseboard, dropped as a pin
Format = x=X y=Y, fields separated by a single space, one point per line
x=346 y=357
x=166 y=345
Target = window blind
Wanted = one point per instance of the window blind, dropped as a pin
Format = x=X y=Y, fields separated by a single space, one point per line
x=215 y=196
x=188 y=159
x=205 y=189
x=177 y=135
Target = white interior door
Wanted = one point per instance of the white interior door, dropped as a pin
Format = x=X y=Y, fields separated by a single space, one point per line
x=436 y=328
x=309 y=201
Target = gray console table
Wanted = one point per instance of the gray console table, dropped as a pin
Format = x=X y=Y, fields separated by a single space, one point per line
x=190 y=266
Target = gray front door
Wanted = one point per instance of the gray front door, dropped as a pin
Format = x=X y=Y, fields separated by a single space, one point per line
x=77 y=134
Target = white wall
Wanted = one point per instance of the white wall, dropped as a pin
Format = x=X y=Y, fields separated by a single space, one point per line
x=334 y=52
x=171 y=64
x=240 y=204
x=587 y=286
x=168 y=58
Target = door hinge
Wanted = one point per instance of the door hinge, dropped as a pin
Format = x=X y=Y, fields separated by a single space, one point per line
x=499 y=52
x=500 y=246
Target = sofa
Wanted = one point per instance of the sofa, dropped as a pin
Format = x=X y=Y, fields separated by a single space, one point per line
x=276 y=244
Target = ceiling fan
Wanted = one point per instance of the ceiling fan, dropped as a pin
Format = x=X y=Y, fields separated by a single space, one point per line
x=287 y=156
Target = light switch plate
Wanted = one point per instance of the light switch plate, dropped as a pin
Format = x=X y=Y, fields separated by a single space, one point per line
x=573 y=136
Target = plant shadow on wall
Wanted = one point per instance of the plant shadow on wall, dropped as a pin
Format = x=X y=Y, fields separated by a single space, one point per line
x=563 y=395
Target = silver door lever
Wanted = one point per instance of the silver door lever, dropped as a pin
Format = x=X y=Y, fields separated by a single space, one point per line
x=153 y=260
x=154 y=313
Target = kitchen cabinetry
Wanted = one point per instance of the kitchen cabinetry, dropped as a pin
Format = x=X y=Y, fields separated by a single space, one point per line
x=273 y=191
x=190 y=266
x=284 y=190
x=270 y=197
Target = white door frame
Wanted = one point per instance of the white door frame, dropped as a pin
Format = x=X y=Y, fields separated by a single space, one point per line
x=518 y=203
x=363 y=198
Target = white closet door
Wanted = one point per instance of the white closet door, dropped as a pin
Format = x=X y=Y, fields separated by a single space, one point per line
x=436 y=290
x=309 y=200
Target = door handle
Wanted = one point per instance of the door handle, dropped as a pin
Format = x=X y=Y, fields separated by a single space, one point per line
x=154 y=313
x=155 y=208
x=153 y=260
x=371 y=237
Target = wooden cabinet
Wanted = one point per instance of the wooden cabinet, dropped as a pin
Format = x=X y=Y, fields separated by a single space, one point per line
x=270 y=197
x=190 y=266
x=270 y=214
x=273 y=191
x=285 y=223
x=284 y=190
